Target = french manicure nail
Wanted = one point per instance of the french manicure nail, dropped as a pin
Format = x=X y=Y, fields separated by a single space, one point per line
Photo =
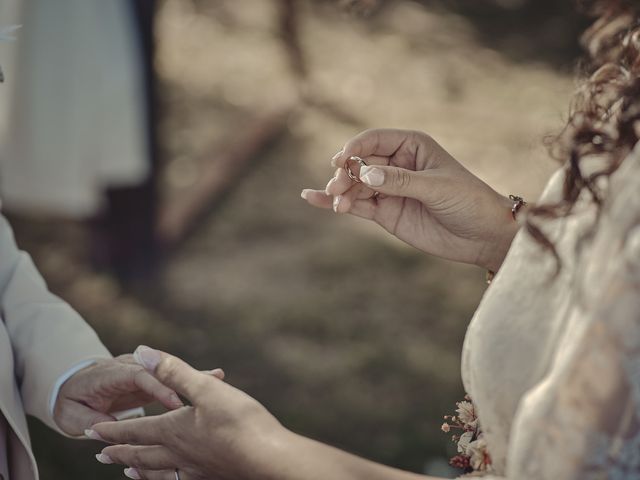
x=305 y=193
x=132 y=473
x=331 y=182
x=102 y=458
x=93 y=435
x=336 y=203
x=334 y=159
x=147 y=357
x=372 y=176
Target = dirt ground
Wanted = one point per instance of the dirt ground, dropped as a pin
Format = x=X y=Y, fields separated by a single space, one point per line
x=347 y=335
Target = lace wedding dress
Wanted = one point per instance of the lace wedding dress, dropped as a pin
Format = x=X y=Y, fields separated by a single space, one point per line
x=552 y=364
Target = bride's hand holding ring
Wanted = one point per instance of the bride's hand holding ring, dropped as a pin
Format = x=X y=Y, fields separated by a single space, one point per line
x=408 y=184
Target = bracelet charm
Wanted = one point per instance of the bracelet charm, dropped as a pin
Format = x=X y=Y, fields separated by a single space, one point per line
x=517 y=205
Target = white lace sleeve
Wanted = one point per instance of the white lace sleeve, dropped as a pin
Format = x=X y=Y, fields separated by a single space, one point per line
x=582 y=421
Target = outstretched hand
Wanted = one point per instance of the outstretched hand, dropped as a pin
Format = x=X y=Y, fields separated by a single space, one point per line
x=224 y=434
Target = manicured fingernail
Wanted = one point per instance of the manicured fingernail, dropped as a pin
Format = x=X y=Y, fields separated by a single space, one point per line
x=305 y=193
x=372 y=176
x=147 y=357
x=334 y=159
x=132 y=473
x=175 y=400
x=336 y=203
x=102 y=458
x=331 y=182
x=93 y=435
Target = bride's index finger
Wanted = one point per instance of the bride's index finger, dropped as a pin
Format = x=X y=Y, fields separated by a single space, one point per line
x=378 y=141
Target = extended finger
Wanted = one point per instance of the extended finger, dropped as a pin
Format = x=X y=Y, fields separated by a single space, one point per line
x=138 y=431
x=317 y=198
x=155 y=457
x=380 y=141
x=173 y=372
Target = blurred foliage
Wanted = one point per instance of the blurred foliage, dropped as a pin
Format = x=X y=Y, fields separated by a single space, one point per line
x=525 y=30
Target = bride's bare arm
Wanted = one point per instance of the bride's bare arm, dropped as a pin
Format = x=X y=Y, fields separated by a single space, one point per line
x=225 y=434
x=306 y=459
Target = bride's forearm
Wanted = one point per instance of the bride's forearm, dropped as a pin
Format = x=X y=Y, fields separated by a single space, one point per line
x=294 y=457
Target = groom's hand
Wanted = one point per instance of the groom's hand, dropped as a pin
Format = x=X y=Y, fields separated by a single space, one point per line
x=108 y=386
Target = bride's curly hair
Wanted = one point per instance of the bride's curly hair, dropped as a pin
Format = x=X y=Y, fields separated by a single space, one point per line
x=604 y=117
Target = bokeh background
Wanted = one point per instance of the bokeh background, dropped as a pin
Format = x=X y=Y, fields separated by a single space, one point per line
x=346 y=334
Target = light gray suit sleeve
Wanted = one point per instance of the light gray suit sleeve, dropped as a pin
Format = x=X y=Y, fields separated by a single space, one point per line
x=47 y=335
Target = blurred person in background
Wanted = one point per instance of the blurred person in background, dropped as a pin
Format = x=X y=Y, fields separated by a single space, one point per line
x=54 y=367
x=551 y=359
x=79 y=132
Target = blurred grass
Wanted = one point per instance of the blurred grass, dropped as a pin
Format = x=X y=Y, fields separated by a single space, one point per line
x=345 y=334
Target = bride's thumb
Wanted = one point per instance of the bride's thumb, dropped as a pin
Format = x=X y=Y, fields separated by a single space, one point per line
x=393 y=181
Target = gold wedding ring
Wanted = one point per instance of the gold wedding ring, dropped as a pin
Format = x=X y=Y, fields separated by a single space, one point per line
x=347 y=168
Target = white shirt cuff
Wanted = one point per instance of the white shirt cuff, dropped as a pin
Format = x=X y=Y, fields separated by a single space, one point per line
x=63 y=378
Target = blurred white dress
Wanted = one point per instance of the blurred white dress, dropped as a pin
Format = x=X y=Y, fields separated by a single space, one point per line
x=75 y=123
x=553 y=365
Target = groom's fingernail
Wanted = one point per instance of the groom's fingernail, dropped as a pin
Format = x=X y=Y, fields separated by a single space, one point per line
x=132 y=473
x=147 y=357
x=372 y=176
x=93 y=435
x=102 y=458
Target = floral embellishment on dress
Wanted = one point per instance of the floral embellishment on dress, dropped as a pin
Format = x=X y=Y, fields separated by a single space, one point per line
x=473 y=454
